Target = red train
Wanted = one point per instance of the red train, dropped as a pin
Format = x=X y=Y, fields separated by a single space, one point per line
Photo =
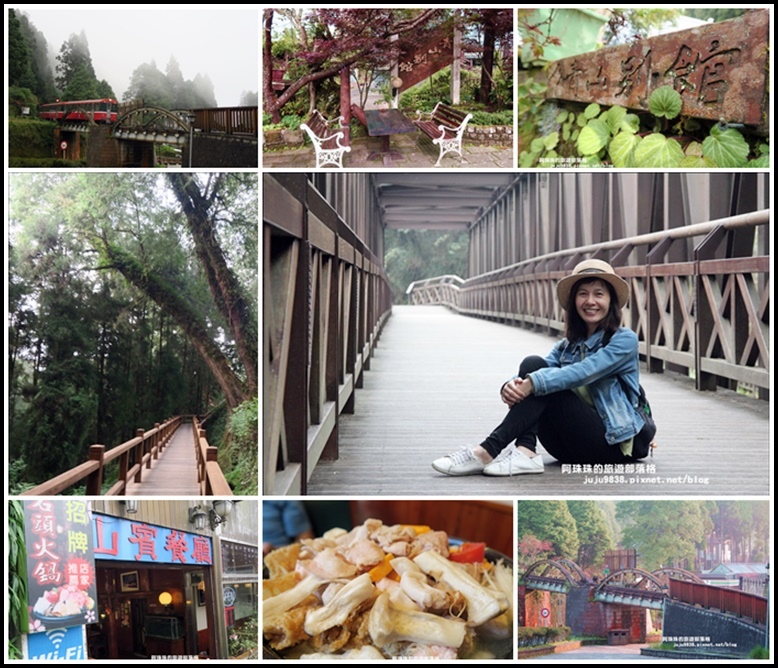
x=99 y=111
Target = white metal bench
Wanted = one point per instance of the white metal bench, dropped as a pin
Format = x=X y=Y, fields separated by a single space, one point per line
x=445 y=126
x=326 y=141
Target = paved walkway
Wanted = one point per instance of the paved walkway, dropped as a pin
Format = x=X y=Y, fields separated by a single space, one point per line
x=416 y=151
x=433 y=387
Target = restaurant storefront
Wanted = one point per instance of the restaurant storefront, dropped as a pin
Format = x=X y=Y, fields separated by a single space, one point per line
x=138 y=580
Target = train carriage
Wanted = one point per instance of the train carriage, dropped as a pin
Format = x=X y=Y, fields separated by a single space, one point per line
x=98 y=111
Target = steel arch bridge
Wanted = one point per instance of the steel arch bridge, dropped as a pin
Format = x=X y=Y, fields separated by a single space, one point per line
x=153 y=124
x=629 y=586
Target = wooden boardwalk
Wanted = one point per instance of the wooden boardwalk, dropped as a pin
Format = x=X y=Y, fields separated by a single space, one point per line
x=433 y=386
x=175 y=472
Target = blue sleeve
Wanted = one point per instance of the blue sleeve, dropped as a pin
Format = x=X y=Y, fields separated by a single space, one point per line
x=617 y=356
x=295 y=519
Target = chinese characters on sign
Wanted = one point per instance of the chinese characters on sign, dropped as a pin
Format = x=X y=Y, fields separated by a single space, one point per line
x=118 y=539
x=719 y=70
x=418 y=64
x=62 y=591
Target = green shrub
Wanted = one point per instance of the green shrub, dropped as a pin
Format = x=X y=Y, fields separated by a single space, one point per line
x=493 y=118
x=291 y=122
x=759 y=653
x=238 y=451
x=44 y=163
x=533 y=636
x=30 y=138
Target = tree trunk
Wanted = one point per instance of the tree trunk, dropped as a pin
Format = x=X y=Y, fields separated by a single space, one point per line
x=487 y=63
x=224 y=285
x=231 y=385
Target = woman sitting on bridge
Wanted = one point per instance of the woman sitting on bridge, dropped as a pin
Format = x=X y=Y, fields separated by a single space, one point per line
x=580 y=400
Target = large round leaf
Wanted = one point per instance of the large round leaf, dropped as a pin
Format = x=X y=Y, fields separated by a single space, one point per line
x=697 y=162
x=726 y=148
x=594 y=137
x=658 y=151
x=614 y=117
x=630 y=123
x=550 y=141
x=665 y=102
x=622 y=149
x=592 y=111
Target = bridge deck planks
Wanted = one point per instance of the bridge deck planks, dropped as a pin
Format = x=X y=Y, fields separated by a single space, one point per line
x=433 y=386
x=175 y=472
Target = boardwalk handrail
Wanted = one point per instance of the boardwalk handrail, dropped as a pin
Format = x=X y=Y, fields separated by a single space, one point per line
x=210 y=476
x=326 y=299
x=708 y=317
x=733 y=601
x=133 y=456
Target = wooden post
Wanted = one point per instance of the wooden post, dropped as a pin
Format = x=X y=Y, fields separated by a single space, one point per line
x=139 y=452
x=345 y=102
x=94 y=482
x=159 y=441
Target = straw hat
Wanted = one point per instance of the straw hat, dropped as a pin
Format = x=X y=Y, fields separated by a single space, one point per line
x=592 y=269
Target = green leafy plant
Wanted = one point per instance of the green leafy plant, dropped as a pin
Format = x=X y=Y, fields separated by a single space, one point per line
x=242 y=638
x=16 y=609
x=613 y=136
x=759 y=653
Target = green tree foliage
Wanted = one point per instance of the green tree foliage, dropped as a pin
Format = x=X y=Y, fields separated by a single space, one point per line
x=44 y=88
x=413 y=255
x=19 y=57
x=664 y=533
x=115 y=321
x=82 y=85
x=715 y=14
x=73 y=57
x=548 y=521
x=627 y=24
x=169 y=89
x=594 y=535
x=744 y=526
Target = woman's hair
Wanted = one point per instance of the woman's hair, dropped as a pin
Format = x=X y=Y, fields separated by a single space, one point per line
x=575 y=327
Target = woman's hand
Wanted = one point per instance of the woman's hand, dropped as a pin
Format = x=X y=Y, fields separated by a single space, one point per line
x=516 y=390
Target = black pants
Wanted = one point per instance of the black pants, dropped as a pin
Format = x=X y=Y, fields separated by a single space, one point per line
x=571 y=431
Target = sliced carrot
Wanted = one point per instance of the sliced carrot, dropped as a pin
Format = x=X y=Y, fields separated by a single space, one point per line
x=380 y=571
x=418 y=528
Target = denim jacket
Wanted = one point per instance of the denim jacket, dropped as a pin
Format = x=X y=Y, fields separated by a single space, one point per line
x=598 y=366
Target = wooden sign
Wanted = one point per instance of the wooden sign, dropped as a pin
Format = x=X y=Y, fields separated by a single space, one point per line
x=720 y=70
x=416 y=65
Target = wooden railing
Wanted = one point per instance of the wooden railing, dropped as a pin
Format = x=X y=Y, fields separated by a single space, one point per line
x=209 y=473
x=708 y=317
x=131 y=456
x=326 y=299
x=733 y=601
x=227 y=120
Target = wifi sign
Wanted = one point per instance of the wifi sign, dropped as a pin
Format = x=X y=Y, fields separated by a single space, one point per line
x=57 y=645
x=56 y=637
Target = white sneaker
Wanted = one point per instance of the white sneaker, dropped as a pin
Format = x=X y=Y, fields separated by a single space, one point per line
x=512 y=461
x=463 y=462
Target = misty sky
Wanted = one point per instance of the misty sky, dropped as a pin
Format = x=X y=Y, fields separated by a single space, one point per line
x=222 y=43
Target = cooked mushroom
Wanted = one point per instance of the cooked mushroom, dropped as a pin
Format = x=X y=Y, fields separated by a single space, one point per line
x=277 y=605
x=388 y=624
x=340 y=606
x=482 y=604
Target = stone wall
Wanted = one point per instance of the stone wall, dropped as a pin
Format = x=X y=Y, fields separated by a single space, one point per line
x=489 y=135
x=694 y=628
x=216 y=151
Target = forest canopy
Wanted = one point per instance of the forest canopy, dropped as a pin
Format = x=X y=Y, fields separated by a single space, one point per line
x=132 y=298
